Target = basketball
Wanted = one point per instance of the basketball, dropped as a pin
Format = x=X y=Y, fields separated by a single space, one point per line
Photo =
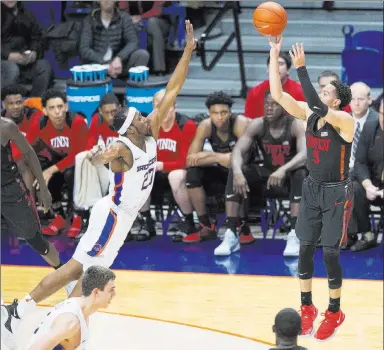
x=270 y=18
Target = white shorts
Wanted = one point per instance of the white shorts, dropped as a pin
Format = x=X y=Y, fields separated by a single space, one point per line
x=104 y=237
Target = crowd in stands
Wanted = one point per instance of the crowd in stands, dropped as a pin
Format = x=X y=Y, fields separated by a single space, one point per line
x=261 y=152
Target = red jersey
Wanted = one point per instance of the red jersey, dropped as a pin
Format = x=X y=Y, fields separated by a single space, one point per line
x=31 y=115
x=58 y=147
x=173 y=145
x=99 y=127
x=254 y=104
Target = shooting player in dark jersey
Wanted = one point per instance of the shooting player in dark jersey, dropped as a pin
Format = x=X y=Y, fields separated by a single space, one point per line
x=327 y=203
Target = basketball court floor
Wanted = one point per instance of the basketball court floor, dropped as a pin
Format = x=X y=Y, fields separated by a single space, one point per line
x=176 y=296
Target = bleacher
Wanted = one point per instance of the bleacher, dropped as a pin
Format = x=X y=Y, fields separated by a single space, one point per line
x=319 y=30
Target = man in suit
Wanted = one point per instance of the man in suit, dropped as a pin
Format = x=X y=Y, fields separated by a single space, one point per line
x=369 y=176
x=361 y=112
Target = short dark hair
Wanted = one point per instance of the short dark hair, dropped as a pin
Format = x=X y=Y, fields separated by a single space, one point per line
x=343 y=93
x=218 y=98
x=109 y=99
x=53 y=93
x=13 y=89
x=285 y=56
x=288 y=323
x=96 y=277
x=328 y=73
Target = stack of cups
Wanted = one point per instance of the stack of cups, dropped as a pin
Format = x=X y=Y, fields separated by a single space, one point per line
x=139 y=73
x=89 y=72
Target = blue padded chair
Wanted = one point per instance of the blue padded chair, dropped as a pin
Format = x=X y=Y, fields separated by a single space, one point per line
x=363 y=57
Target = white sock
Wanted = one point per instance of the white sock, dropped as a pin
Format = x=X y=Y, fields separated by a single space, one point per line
x=26 y=306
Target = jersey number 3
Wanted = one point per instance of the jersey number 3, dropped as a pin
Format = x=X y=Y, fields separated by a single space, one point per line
x=316 y=156
x=148 y=178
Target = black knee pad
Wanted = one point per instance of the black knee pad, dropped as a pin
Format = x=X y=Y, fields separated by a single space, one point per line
x=306 y=265
x=332 y=265
x=39 y=244
x=194 y=178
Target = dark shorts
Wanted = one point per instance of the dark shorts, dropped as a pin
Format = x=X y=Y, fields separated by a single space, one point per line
x=325 y=211
x=212 y=178
x=18 y=210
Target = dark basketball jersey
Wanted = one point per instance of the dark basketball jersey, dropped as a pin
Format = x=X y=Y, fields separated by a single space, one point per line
x=277 y=151
x=327 y=152
x=219 y=145
x=9 y=170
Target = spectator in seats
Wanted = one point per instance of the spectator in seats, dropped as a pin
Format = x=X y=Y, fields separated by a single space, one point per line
x=287 y=329
x=282 y=142
x=57 y=138
x=361 y=112
x=22 y=49
x=175 y=136
x=208 y=171
x=369 y=173
x=325 y=79
x=101 y=128
x=109 y=37
x=157 y=28
x=13 y=101
x=254 y=104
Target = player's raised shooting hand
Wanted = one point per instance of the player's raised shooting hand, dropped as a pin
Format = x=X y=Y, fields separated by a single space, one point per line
x=275 y=44
x=297 y=55
x=191 y=41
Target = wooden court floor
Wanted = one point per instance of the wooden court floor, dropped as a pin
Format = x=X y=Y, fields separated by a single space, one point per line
x=236 y=304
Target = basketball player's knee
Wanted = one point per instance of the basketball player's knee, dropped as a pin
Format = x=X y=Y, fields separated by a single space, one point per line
x=194 y=178
x=177 y=179
x=332 y=265
x=69 y=176
x=39 y=244
x=306 y=265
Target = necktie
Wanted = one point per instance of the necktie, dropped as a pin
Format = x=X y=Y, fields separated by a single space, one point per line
x=356 y=140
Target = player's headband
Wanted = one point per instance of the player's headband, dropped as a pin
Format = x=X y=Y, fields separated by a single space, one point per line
x=128 y=120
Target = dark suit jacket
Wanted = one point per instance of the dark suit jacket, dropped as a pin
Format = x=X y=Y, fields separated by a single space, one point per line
x=369 y=162
x=372 y=115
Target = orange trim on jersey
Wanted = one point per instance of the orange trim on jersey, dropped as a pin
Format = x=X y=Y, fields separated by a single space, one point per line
x=342 y=162
x=111 y=212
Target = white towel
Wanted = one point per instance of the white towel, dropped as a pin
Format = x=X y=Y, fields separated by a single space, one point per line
x=91 y=182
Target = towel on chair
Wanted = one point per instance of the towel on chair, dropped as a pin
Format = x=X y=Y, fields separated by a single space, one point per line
x=91 y=182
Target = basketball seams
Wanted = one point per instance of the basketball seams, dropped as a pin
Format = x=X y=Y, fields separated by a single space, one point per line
x=265 y=9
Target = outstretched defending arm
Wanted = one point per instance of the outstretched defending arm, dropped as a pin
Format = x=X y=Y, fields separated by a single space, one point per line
x=338 y=119
x=295 y=108
x=175 y=83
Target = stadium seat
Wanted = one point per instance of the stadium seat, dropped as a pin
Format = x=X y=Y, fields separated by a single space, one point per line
x=363 y=57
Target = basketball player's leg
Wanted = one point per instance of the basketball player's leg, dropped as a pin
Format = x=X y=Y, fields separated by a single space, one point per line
x=236 y=207
x=296 y=178
x=338 y=207
x=20 y=213
x=196 y=178
x=177 y=182
x=308 y=230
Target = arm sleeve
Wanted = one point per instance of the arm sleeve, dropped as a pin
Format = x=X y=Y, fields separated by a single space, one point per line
x=311 y=96
x=188 y=133
x=93 y=132
x=36 y=36
x=130 y=39
x=78 y=142
x=86 y=41
x=361 y=159
x=32 y=136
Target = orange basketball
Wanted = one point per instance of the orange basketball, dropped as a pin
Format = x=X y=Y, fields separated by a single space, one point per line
x=270 y=18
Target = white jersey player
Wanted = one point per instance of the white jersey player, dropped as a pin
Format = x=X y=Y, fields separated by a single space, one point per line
x=132 y=163
x=66 y=325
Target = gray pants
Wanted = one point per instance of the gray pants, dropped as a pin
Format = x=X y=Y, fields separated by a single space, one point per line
x=39 y=73
x=158 y=29
x=137 y=58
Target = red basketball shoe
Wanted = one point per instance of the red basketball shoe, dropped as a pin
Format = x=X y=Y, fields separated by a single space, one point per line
x=308 y=316
x=328 y=327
